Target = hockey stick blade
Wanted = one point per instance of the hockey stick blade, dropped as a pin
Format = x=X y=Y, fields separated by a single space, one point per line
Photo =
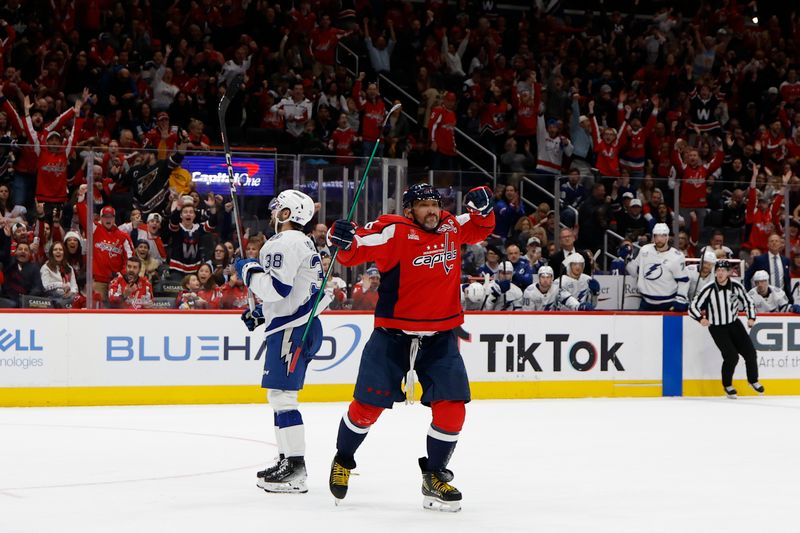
x=394 y=108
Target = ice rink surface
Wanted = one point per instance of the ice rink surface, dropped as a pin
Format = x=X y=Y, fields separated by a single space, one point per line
x=600 y=465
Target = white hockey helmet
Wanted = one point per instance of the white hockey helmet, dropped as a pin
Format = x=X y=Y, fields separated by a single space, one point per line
x=300 y=205
x=475 y=292
x=761 y=275
x=545 y=271
x=709 y=257
x=505 y=266
x=572 y=258
x=660 y=229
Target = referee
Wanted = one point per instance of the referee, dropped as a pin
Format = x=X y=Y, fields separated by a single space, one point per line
x=716 y=306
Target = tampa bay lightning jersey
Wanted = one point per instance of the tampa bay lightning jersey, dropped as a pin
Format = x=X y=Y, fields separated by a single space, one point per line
x=775 y=301
x=696 y=282
x=554 y=299
x=577 y=288
x=291 y=280
x=511 y=300
x=661 y=276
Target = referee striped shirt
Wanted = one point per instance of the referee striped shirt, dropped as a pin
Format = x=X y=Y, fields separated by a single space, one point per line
x=722 y=303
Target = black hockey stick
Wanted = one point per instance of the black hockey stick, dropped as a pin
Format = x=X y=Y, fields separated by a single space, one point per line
x=350 y=214
x=230 y=93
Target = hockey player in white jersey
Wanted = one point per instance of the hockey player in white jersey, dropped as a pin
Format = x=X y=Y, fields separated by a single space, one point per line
x=580 y=286
x=701 y=274
x=473 y=296
x=286 y=278
x=544 y=295
x=769 y=299
x=660 y=270
x=502 y=295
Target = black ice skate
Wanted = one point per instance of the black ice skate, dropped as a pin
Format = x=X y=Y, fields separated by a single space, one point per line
x=731 y=392
x=758 y=387
x=268 y=471
x=288 y=477
x=340 y=476
x=438 y=494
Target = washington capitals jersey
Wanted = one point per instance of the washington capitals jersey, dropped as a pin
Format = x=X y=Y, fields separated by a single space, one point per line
x=554 y=299
x=420 y=270
x=577 y=288
x=290 y=282
x=662 y=276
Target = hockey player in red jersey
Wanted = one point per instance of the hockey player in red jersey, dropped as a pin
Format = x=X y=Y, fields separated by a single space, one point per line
x=414 y=328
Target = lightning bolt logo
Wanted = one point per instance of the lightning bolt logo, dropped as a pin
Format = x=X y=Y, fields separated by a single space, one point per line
x=287 y=353
x=654 y=272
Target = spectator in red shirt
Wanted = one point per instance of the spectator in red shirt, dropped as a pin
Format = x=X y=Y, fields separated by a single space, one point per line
x=324 y=39
x=342 y=141
x=365 y=292
x=606 y=145
x=130 y=290
x=112 y=247
x=209 y=291
x=790 y=89
x=234 y=293
x=441 y=132
x=773 y=146
x=189 y=297
x=761 y=215
x=162 y=137
x=373 y=112
x=694 y=175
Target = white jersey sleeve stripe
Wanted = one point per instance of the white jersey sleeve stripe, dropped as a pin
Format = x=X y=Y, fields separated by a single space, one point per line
x=463 y=218
x=376 y=239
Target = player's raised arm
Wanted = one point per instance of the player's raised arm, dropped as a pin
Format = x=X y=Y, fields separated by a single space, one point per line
x=371 y=243
x=478 y=223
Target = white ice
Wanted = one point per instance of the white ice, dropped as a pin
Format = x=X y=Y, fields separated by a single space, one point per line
x=599 y=465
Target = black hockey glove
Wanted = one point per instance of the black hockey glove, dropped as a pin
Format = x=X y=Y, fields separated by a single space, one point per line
x=480 y=200
x=253 y=319
x=342 y=234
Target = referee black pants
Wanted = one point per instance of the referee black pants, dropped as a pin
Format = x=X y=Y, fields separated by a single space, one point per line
x=732 y=339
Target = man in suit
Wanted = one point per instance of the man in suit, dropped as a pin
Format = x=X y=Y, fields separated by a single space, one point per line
x=567 y=241
x=774 y=263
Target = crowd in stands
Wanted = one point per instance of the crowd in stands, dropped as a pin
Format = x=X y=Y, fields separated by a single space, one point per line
x=616 y=111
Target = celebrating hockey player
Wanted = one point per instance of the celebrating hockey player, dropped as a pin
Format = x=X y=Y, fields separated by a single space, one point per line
x=286 y=277
x=418 y=255
x=768 y=298
x=580 y=286
x=661 y=273
x=543 y=295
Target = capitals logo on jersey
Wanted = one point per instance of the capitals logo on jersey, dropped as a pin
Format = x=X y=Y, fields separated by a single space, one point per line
x=435 y=255
x=447 y=226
